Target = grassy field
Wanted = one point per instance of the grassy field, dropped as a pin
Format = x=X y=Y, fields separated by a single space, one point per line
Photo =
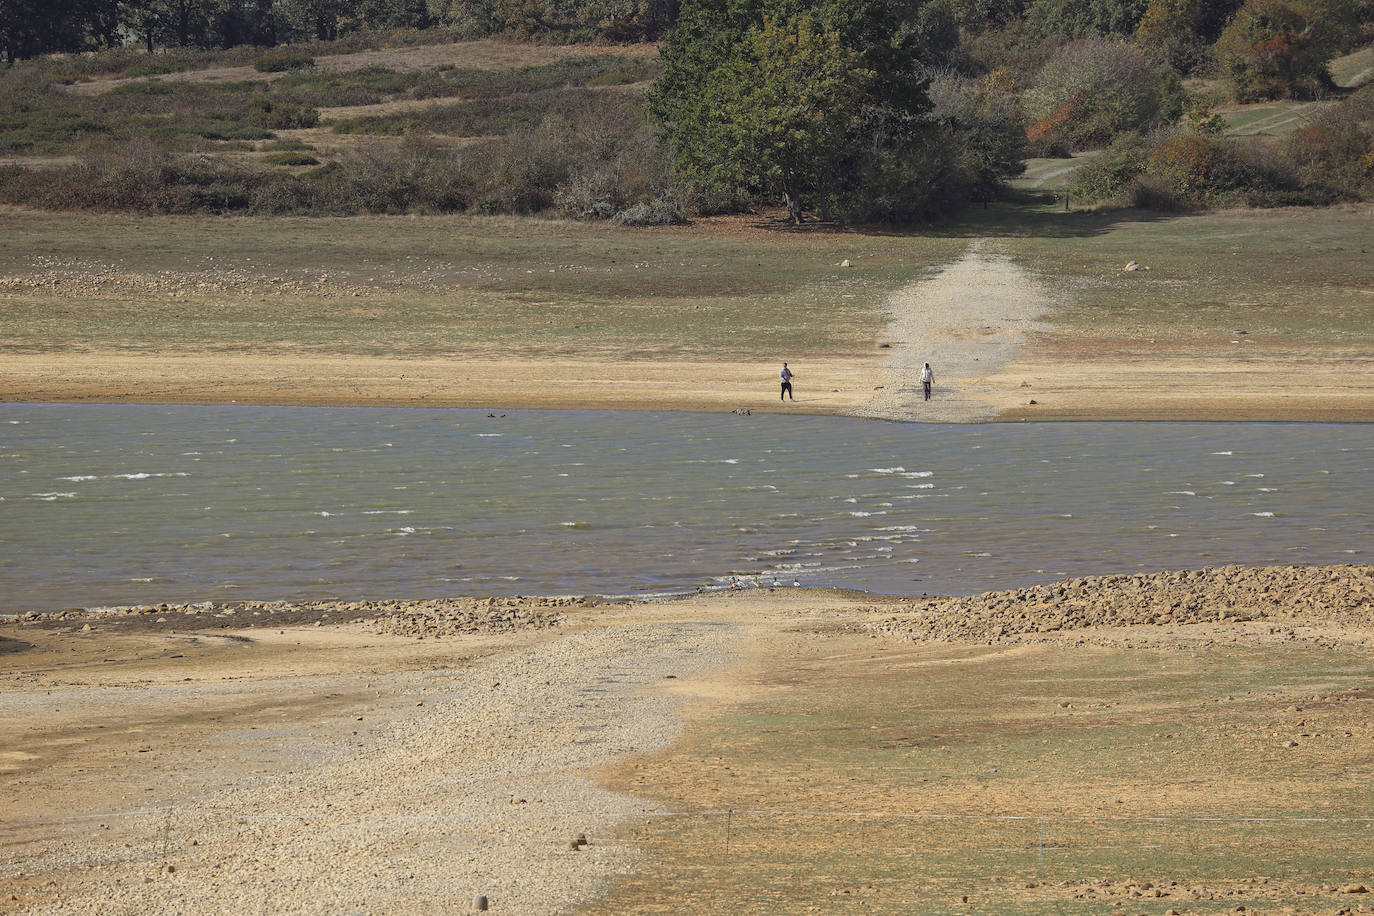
x=447 y=286
x=1299 y=282
x=886 y=778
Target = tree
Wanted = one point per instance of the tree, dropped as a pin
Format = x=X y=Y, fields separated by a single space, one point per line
x=1084 y=18
x=1181 y=32
x=775 y=120
x=32 y=27
x=1094 y=89
x=1276 y=49
x=983 y=127
x=394 y=14
x=816 y=106
x=320 y=18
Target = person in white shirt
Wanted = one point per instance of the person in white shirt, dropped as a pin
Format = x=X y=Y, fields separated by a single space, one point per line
x=786 y=376
x=927 y=378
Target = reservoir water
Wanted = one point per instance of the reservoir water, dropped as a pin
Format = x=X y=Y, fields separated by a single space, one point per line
x=114 y=505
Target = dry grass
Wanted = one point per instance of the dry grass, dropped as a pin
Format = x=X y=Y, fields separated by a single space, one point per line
x=405 y=287
x=486 y=54
x=893 y=778
x=1299 y=282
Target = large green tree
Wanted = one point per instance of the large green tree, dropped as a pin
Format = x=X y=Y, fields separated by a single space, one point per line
x=816 y=103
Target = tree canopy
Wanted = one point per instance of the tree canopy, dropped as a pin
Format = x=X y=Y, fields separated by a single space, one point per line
x=820 y=105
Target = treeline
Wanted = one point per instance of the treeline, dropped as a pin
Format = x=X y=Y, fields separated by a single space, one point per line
x=30 y=28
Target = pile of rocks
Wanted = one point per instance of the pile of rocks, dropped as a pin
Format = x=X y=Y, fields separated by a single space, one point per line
x=469 y=615
x=423 y=617
x=1336 y=594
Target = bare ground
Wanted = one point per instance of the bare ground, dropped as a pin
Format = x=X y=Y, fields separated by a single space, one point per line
x=195 y=761
x=967 y=322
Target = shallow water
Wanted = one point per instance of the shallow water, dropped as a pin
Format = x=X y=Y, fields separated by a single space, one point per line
x=114 y=505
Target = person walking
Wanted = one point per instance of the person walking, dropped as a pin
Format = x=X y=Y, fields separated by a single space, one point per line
x=786 y=376
x=927 y=379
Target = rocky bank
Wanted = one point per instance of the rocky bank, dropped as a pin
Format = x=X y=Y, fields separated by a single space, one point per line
x=1340 y=595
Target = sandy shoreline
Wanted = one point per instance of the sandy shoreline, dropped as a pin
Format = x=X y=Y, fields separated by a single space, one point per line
x=314 y=759
x=1308 y=391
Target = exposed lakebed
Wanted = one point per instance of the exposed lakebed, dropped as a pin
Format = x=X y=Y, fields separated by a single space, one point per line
x=116 y=505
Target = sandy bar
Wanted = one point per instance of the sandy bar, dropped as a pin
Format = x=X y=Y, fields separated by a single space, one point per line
x=827 y=387
x=1336 y=390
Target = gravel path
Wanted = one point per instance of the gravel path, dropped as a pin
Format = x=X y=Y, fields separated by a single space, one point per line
x=967 y=322
x=479 y=791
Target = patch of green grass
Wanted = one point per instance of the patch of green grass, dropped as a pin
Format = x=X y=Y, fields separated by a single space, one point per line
x=283 y=146
x=281 y=60
x=899 y=780
x=37 y=120
x=293 y=157
x=1051 y=174
x=1269 y=120
x=452 y=287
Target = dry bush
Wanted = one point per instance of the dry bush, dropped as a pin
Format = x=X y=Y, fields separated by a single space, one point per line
x=1335 y=150
x=1095 y=88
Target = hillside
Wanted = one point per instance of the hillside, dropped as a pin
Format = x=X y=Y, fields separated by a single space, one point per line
x=414 y=121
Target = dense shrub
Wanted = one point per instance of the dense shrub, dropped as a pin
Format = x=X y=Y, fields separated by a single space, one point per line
x=278 y=61
x=1112 y=170
x=983 y=128
x=1203 y=168
x=290 y=158
x=1014 y=49
x=1170 y=32
x=650 y=213
x=1182 y=169
x=1094 y=89
x=1276 y=49
x=1067 y=19
x=36 y=118
x=1335 y=150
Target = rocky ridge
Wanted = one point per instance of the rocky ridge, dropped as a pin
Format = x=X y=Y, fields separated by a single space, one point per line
x=419 y=618
x=1341 y=595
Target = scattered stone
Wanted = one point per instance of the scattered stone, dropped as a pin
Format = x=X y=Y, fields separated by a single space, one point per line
x=1354 y=889
x=86 y=628
x=1339 y=594
x=479 y=903
x=1290 y=744
x=845 y=262
x=1131 y=266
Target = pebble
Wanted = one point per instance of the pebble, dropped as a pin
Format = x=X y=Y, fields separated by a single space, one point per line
x=1342 y=594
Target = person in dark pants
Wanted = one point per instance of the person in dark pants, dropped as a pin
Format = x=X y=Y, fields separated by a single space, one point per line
x=927 y=378
x=786 y=376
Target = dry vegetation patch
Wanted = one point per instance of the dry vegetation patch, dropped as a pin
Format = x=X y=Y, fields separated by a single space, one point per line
x=938 y=777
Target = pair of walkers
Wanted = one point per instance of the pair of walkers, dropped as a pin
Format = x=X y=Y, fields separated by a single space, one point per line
x=785 y=376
